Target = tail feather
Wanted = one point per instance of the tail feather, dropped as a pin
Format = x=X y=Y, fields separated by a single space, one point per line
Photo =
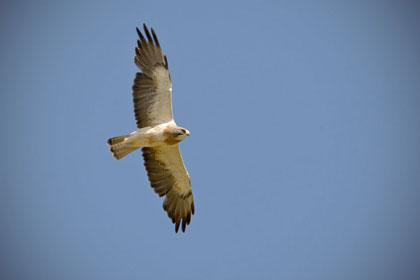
x=116 y=140
x=121 y=150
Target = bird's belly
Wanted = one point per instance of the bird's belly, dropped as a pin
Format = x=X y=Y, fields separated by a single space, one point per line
x=145 y=137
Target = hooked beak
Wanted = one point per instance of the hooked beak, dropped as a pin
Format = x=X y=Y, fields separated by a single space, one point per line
x=188 y=133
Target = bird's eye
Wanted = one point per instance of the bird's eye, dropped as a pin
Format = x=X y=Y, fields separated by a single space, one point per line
x=183 y=131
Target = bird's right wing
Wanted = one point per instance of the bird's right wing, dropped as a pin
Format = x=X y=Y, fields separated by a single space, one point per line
x=152 y=89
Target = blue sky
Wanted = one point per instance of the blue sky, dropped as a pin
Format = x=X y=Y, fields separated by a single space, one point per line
x=304 y=151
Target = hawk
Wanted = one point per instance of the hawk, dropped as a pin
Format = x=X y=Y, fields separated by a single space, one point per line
x=157 y=132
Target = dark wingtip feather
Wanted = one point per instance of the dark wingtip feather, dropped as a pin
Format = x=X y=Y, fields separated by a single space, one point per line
x=146 y=31
x=155 y=38
x=177 y=227
x=192 y=208
x=140 y=34
x=184 y=224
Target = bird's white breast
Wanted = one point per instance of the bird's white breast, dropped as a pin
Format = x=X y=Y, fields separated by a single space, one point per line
x=150 y=136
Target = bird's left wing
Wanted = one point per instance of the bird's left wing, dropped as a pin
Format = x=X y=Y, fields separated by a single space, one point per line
x=168 y=176
x=152 y=89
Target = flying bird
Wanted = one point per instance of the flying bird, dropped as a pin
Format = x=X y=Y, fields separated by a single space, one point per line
x=157 y=133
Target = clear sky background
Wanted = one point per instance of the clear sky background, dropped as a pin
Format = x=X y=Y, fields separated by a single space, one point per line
x=304 y=152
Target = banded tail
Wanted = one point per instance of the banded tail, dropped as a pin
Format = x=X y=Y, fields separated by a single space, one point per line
x=118 y=148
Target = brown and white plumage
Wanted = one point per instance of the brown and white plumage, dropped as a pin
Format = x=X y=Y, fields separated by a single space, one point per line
x=157 y=131
x=152 y=89
x=168 y=176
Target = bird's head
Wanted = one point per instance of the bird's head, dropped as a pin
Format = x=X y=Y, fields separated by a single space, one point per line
x=181 y=133
x=175 y=134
